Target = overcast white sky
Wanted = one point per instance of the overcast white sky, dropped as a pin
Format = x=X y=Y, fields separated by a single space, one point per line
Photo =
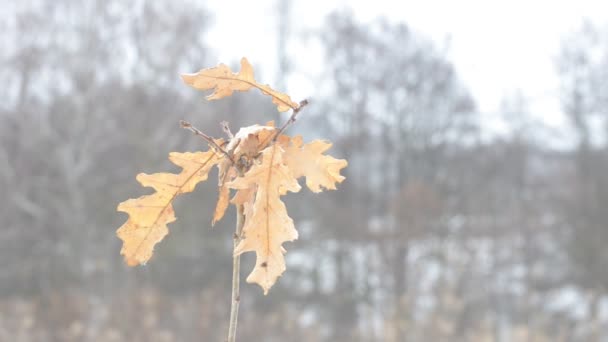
x=497 y=46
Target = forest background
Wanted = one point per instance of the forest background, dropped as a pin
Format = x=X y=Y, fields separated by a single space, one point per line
x=465 y=215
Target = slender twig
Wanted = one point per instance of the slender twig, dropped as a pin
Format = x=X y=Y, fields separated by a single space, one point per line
x=226 y=129
x=186 y=125
x=236 y=268
x=291 y=120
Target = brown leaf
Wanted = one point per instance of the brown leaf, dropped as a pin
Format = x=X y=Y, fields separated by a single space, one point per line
x=321 y=171
x=269 y=226
x=265 y=136
x=247 y=142
x=225 y=82
x=150 y=214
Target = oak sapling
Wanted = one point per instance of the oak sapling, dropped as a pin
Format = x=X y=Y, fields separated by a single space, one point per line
x=258 y=165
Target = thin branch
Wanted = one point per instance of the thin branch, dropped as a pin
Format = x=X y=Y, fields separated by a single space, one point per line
x=291 y=120
x=236 y=268
x=186 y=125
x=226 y=129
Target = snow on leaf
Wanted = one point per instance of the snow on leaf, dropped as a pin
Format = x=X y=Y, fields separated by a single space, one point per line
x=320 y=170
x=268 y=226
x=225 y=82
x=150 y=214
x=248 y=140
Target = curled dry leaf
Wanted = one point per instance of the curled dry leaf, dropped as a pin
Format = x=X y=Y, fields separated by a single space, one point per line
x=248 y=141
x=222 y=204
x=150 y=214
x=244 y=146
x=226 y=173
x=268 y=225
x=225 y=82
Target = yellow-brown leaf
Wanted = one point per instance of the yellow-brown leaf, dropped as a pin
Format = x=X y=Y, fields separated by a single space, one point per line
x=269 y=226
x=222 y=204
x=226 y=173
x=225 y=82
x=150 y=214
x=321 y=171
x=243 y=196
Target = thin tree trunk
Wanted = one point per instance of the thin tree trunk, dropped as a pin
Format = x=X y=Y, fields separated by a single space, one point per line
x=236 y=267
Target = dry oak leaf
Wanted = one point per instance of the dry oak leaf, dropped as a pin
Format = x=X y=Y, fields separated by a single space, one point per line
x=321 y=171
x=150 y=214
x=225 y=82
x=225 y=174
x=268 y=225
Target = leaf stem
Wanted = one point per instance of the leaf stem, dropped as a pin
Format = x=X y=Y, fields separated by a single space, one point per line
x=186 y=125
x=291 y=120
x=236 y=267
x=226 y=128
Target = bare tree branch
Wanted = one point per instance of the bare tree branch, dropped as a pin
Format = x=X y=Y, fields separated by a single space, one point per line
x=186 y=125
